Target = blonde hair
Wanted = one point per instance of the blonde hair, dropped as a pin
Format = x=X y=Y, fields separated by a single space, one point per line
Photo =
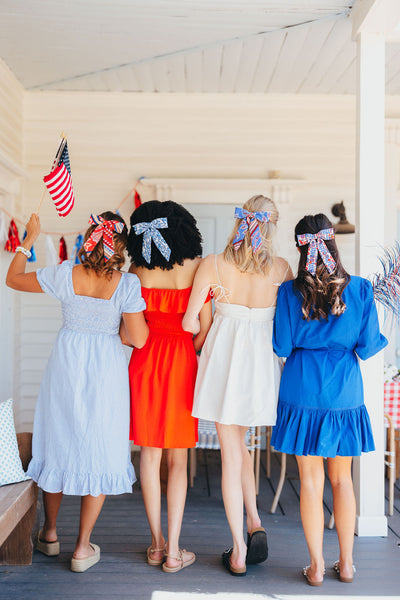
x=244 y=258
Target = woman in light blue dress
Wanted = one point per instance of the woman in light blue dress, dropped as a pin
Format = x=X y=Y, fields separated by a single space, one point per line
x=81 y=428
x=324 y=321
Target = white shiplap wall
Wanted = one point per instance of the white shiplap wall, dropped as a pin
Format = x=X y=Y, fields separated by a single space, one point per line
x=11 y=125
x=116 y=138
x=11 y=143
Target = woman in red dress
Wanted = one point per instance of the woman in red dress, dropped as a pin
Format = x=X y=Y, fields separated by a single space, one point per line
x=165 y=249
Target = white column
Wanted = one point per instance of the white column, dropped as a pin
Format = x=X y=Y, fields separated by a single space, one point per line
x=370 y=202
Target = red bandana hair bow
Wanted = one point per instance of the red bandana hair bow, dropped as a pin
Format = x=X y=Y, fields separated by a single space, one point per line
x=105 y=229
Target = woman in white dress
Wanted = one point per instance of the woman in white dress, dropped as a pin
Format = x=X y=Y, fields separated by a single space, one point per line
x=238 y=378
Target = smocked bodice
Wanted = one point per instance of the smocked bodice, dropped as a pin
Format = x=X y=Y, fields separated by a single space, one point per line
x=91 y=315
x=165 y=310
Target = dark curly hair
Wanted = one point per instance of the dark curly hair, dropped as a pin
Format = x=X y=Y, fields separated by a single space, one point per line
x=95 y=260
x=181 y=235
x=322 y=293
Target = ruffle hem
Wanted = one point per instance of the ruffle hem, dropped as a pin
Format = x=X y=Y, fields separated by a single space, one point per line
x=328 y=433
x=81 y=484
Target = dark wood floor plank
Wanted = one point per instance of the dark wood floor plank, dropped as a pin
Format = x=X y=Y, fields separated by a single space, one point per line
x=122 y=532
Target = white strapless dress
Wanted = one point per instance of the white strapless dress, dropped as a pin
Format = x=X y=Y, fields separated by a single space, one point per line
x=239 y=374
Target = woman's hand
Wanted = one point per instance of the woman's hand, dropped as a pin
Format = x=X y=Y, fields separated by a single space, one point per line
x=32 y=231
x=16 y=277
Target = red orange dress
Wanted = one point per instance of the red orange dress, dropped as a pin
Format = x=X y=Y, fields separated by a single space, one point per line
x=162 y=375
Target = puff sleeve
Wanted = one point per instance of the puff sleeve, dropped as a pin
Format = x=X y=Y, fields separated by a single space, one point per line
x=54 y=279
x=370 y=340
x=282 y=335
x=132 y=301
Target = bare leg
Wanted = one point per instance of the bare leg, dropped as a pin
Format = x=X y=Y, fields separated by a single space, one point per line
x=51 y=503
x=232 y=493
x=90 y=510
x=312 y=476
x=176 y=497
x=344 y=508
x=150 y=460
x=249 y=485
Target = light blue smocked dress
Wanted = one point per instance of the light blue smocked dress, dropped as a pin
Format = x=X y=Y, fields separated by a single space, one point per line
x=81 y=429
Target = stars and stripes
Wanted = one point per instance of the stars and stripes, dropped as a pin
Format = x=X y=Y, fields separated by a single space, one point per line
x=59 y=183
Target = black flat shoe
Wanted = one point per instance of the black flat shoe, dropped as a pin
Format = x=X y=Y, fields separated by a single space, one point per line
x=257 y=546
x=226 y=561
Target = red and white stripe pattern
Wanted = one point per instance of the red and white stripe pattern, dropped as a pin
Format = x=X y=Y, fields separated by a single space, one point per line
x=59 y=184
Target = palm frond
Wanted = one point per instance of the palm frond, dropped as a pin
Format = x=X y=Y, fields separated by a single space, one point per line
x=386 y=285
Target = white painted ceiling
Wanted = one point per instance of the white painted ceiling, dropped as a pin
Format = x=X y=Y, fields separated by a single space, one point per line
x=264 y=46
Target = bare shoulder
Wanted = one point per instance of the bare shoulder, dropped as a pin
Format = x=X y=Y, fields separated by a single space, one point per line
x=283 y=268
x=208 y=262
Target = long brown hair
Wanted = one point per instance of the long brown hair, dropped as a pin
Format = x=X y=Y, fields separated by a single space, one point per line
x=95 y=260
x=245 y=259
x=322 y=292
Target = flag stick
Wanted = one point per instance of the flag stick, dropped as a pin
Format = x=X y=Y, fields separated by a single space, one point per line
x=63 y=139
x=41 y=201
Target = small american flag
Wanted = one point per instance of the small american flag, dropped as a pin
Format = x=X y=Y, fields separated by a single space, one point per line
x=59 y=183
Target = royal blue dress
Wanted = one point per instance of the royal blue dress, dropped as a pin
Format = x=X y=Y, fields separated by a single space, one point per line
x=321 y=410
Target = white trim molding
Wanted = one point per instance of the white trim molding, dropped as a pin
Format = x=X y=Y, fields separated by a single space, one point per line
x=218 y=191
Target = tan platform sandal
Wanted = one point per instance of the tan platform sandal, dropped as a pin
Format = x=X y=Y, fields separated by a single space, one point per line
x=183 y=563
x=156 y=562
x=80 y=565
x=47 y=548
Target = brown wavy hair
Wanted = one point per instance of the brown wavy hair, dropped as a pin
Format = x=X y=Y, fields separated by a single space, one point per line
x=321 y=293
x=95 y=260
x=245 y=259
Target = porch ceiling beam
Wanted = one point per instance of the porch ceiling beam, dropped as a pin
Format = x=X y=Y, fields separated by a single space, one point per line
x=378 y=17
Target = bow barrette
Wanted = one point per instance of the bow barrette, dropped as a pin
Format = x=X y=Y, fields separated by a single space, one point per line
x=150 y=232
x=105 y=230
x=316 y=244
x=250 y=222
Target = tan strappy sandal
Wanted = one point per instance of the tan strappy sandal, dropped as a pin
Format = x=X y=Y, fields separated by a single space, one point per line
x=183 y=563
x=336 y=568
x=156 y=562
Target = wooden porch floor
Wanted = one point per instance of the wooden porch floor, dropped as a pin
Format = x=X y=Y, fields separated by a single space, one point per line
x=122 y=533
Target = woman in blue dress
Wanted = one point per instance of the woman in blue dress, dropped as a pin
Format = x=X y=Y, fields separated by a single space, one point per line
x=324 y=321
x=81 y=429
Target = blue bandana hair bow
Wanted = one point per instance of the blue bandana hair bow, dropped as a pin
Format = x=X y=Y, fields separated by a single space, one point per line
x=150 y=232
x=250 y=222
x=316 y=244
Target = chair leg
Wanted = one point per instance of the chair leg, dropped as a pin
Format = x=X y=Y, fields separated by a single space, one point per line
x=280 y=484
x=252 y=443
x=391 y=463
x=192 y=466
x=268 y=433
x=257 y=459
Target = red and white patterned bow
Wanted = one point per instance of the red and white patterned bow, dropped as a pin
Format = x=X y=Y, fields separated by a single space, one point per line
x=105 y=230
x=316 y=244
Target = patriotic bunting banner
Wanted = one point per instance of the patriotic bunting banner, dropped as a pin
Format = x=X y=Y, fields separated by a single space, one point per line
x=59 y=183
